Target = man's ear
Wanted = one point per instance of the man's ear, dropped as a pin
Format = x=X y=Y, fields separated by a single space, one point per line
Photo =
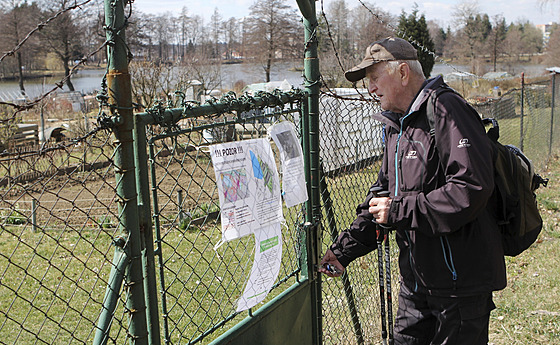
x=404 y=73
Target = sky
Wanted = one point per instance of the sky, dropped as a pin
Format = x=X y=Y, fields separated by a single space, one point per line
x=438 y=10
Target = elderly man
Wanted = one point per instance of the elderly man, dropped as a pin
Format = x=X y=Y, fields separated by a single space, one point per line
x=440 y=179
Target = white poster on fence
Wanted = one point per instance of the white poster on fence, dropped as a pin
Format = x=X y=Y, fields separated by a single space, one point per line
x=248 y=187
x=294 y=190
x=266 y=266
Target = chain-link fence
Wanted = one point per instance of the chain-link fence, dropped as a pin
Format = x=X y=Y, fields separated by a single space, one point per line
x=351 y=150
x=526 y=117
x=59 y=221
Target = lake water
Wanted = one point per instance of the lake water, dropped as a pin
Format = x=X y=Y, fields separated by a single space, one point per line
x=88 y=81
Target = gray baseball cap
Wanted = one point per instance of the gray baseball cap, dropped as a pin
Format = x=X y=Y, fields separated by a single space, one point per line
x=387 y=49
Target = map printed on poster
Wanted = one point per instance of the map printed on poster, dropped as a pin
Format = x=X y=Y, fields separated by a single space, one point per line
x=266 y=266
x=294 y=190
x=248 y=186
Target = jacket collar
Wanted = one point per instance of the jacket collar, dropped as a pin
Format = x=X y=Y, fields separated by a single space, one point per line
x=428 y=88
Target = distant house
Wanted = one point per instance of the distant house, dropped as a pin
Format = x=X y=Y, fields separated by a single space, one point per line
x=252 y=89
x=459 y=76
x=545 y=29
x=497 y=75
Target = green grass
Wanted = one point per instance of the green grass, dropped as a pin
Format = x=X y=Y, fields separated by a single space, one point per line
x=52 y=284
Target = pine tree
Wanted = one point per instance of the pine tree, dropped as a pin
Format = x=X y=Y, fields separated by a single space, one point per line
x=415 y=30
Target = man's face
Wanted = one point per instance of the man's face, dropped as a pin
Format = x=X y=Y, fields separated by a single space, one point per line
x=386 y=85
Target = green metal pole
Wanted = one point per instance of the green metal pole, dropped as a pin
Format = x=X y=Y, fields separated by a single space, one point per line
x=312 y=84
x=554 y=74
x=348 y=291
x=120 y=100
x=120 y=261
x=146 y=229
x=522 y=111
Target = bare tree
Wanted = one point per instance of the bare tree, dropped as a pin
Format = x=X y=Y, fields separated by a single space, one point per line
x=496 y=39
x=553 y=47
x=372 y=24
x=63 y=36
x=338 y=14
x=232 y=34
x=463 y=11
x=439 y=36
x=523 y=39
x=216 y=31
x=93 y=22
x=150 y=81
x=272 y=32
x=16 y=22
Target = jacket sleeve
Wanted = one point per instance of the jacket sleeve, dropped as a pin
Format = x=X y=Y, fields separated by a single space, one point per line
x=360 y=238
x=466 y=162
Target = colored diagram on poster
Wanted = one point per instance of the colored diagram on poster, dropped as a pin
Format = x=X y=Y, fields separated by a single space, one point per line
x=234 y=184
x=264 y=175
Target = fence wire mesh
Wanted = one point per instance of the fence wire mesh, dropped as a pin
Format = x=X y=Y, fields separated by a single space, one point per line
x=57 y=220
x=351 y=151
x=200 y=284
x=525 y=115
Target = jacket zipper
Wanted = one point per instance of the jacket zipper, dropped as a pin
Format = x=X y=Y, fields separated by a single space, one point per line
x=449 y=260
x=397 y=162
x=397 y=154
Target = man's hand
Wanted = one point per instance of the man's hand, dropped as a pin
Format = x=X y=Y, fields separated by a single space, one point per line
x=379 y=208
x=330 y=259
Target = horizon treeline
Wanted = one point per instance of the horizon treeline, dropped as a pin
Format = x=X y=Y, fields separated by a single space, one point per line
x=271 y=32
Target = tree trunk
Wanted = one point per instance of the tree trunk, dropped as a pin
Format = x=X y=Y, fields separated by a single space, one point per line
x=268 y=68
x=67 y=73
x=20 y=70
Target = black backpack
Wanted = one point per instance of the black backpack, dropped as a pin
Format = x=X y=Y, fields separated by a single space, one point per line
x=515 y=182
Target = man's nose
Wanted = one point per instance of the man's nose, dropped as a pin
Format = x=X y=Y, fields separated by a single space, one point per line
x=372 y=87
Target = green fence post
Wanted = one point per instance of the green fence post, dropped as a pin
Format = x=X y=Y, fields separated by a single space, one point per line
x=120 y=100
x=348 y=291
x=147 y=233
x=522 y=111
x=312 y=84
x=553 y=76
x=120 y=261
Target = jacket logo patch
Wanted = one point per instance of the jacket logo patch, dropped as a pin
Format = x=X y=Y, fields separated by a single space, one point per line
x=411 y=155
x=463 y=143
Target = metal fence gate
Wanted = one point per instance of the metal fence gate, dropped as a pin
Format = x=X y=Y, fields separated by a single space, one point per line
x=199 y=285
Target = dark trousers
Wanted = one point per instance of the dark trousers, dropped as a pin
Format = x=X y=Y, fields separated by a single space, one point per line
x=432 y=320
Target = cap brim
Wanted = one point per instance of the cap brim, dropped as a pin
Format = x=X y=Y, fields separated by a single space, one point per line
x=359 y=72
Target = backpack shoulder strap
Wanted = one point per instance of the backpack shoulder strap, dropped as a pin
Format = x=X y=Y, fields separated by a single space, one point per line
x=431 y=106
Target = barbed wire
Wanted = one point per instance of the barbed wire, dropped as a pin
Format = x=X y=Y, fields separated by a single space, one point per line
x=335 y=49
x=41 y=26
x=400 y=32
x=58 y=85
